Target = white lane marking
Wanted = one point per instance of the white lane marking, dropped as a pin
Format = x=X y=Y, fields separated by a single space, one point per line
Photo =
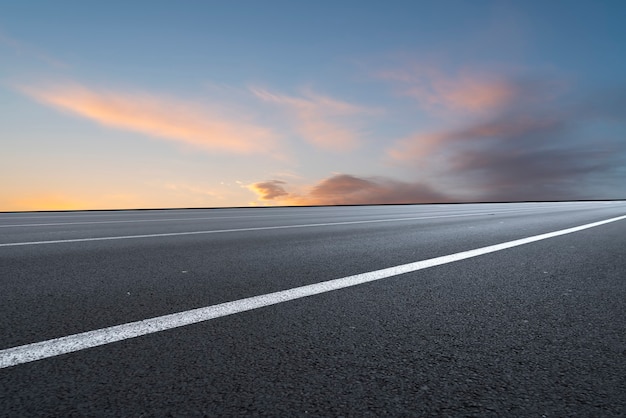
x=218 y=231
x=71 y=343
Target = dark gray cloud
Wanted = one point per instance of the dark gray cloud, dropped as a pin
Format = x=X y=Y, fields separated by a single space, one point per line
x=540 y=146
x=348 y=189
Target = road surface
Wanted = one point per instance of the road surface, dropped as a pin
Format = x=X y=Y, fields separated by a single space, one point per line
x=405 y=310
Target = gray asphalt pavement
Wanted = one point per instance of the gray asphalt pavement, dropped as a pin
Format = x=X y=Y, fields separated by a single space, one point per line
x=534 y=330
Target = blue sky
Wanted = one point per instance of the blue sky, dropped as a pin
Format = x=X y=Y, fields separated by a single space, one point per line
x=196 y=104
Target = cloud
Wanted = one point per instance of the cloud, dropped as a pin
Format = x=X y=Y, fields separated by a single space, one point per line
x=158 y=117
x=321 y=120
x=540 y=146
x=345 y=189
x=269 y=190
x=507 y=128
x=464 y=92
x=25 y=50
x=532 y=174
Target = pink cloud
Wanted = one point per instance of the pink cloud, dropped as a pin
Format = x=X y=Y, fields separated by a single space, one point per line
x=321 y=120
x=417 y=147
x=169 y=119
x=467 y=91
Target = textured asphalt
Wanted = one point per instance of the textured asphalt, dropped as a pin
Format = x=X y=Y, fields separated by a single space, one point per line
x=535 y=330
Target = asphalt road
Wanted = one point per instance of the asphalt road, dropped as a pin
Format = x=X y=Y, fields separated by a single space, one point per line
x=534 y=330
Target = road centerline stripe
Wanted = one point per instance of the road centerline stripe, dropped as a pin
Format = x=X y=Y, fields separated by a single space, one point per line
x=76 y=342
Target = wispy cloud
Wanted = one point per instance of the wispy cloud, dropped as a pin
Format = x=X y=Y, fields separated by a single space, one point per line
x=26 y=50
x=323 y=121
x=345 y=189
x=175 y=120
x=466 y=91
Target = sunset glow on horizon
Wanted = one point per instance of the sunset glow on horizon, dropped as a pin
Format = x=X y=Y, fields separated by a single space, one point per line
x=208 y=104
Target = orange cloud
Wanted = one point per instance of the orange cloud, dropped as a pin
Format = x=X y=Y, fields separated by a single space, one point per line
x=320 y=119
x=268 y=190
x=467 y=92
x=345 y=189
x=168 y=119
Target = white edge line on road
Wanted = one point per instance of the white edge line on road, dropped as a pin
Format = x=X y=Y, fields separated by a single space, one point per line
x=258 y=228
x=71 y=343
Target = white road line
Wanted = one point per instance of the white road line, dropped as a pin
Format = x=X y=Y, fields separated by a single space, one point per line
x=218 y=231
x=71 y=343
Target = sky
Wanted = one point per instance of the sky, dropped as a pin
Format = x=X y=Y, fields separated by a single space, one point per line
x=161 y=104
